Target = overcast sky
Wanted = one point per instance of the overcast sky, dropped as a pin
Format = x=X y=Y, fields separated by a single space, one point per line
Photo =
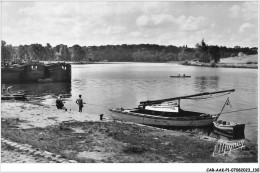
x=101 y=23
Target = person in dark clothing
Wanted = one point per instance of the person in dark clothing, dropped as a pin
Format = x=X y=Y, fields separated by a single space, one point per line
x=79 y=101
x=59 y=102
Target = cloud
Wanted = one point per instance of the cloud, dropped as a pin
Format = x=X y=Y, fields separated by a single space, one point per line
x=97 y=23
x=143 y=21
x=116 y=29
x=191 y=23
x=110 y=30
x=247 y=10
x=184 y=23
x=156 y=7
x=135 y=34
x=154 y=20
x=51 y=9
x=235 y=10
x=244 y=27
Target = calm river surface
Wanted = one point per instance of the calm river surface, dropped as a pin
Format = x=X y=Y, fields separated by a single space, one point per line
x=104 y=86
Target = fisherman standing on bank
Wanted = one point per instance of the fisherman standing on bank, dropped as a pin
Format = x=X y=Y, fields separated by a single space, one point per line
x=79 y=101
x=3 y=89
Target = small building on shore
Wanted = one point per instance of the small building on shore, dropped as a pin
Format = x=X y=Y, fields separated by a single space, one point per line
x=240 y=54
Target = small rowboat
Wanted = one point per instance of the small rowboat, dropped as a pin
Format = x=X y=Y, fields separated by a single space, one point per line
x=229 y=129
x=180 y=76
x=13 y=96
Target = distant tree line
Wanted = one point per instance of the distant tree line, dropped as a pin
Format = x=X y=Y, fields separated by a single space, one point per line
x=121 y=53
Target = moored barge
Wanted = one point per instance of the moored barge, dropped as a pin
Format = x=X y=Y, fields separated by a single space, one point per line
x=32 y=71
x=59 y=72
x=11 y=73
x=35 y=72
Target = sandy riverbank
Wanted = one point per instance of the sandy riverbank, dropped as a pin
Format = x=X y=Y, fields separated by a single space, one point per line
x=84 y=138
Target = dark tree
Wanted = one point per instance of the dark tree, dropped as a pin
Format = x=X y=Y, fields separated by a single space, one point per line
x=214 y=52
x=37 y=52
x=78 y=54
x=22 y=53
x=202 y=50
x=6 y=51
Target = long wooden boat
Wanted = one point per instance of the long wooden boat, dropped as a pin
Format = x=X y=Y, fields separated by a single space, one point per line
x=13 y=96
x=180 y=76
x=32 y=71
x=229 y=129
x=165 y=113
x=10 y=73
x=59 y=72
x=35 y=71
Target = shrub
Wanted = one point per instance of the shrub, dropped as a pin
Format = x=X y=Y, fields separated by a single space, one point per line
x=134 y=150
x=185 y=63
x=250 y=62
x=212 y=63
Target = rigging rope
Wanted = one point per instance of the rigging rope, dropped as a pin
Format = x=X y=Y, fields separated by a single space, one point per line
x=240 y=110
x=211 y=96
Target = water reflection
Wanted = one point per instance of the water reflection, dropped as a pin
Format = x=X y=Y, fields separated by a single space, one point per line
x=41 y=89
x=204 y=83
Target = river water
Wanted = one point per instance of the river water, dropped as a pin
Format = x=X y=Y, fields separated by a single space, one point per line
x=104 y=86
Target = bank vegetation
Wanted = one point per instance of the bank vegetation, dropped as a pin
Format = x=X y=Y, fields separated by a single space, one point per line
x=122 y=53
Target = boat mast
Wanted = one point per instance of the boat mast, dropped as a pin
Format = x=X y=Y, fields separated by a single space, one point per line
x=226 y=103
x=150 y=102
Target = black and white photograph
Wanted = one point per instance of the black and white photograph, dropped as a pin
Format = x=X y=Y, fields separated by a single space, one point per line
x=129 y=86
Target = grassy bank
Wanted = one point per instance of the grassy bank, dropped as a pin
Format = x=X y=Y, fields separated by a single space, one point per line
x=106 y=141
x=112 y=142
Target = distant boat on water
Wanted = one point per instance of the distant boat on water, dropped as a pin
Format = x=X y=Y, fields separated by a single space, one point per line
x=180 y=76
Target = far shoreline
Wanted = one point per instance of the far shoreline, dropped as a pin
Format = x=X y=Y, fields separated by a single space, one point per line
x=185 y=63
x=224 y=65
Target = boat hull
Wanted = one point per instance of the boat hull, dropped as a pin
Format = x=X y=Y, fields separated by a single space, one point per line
x=233 y=132
x=13 y=96
x=180 y=76
x=161 y=121
x=9 y=75
x=36 y=72
x=32 y=72
x=59 y=72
